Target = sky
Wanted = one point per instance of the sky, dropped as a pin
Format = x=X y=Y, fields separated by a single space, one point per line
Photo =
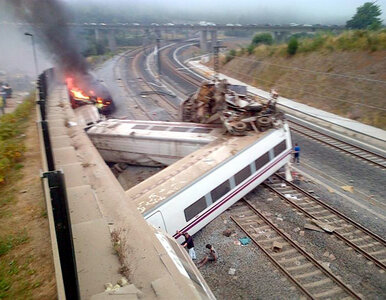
x=264 y=11
x=16 y=48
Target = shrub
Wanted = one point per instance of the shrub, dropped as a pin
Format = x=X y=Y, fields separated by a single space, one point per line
x=231 y=55
x=262 y=38
x=250 y=48
x=11 y=142
x=292 y=47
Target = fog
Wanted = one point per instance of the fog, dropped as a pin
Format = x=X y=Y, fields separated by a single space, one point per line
x=231 y=11
x=53 y=38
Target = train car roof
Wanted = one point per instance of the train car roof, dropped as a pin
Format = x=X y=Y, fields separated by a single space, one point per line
x=157 y=130
x=161 y=186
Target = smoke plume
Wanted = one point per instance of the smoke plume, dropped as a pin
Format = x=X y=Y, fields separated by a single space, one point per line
x=49 y=20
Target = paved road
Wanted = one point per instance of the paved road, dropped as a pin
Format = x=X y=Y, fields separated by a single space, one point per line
x=115 y=86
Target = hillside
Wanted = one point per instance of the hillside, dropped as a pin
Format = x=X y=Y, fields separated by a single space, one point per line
x=345 y=74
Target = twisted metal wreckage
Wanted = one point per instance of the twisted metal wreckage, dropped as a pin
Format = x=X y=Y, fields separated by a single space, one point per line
x=221 y=102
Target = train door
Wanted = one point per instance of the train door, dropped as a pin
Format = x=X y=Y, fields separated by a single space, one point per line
x=157 y=221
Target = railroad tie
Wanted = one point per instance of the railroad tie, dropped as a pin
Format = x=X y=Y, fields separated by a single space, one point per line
x=360 y=239
x=317 y=283
x=309 y=274
x=273 y=239
x=328 y=292
x=378 y=252
x=370 y=245
x=292 y=250
x=350 y=233
x=292 y=259
x=295 y=268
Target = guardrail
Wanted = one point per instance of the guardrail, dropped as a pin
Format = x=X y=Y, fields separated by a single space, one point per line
x=56 y=201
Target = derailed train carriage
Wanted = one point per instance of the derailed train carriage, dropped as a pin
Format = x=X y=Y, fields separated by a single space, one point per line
x=197 y=188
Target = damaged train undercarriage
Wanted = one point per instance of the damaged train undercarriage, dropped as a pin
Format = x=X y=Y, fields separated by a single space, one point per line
x=221 y=102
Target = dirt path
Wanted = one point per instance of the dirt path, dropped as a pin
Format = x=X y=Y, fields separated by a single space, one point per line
x=26 y=266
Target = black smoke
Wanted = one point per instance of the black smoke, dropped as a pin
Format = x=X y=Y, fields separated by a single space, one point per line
x=50 y=20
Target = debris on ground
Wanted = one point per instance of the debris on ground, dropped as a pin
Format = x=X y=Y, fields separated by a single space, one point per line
x=276 y=246
x=348 y=188
x=245 y=241
x=313 y=227
x=232 y=271
x=123 y=281
x=228 y=232
x=326 y=227
x=223 y=103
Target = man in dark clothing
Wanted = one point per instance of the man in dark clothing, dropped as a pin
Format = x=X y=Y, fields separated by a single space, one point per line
x=296 y=153
x=188 y=244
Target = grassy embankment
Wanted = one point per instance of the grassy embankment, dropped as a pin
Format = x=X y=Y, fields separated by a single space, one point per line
x=25 y=257
x=313 y=75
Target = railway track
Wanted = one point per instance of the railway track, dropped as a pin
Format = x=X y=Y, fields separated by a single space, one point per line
x=143 y=99
x=305 y=272
x=147 y=90
x=120 y=75
x=357 y=237
x=190 y=83
x=353 y=150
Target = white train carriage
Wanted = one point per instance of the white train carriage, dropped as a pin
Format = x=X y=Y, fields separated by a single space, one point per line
x=193 y=191
x=150 y=143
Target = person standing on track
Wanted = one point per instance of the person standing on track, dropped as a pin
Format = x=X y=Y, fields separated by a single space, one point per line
x=188 y=244
x=296 y=154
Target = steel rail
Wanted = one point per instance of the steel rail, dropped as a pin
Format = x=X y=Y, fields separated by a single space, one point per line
x=174 y=108
x=376 y=155
x=304 y=253
x=117 y=68
x=273 y=260
x=339 y=214
x=174 y=70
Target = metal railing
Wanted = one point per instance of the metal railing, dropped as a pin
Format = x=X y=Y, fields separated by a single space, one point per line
x=56 y=201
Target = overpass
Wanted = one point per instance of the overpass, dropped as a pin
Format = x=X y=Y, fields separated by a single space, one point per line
x=280 y=32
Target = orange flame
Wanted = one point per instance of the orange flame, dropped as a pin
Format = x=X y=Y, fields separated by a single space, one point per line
x=76 y=93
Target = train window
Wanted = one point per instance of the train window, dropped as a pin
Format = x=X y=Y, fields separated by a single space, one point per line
x=261 y=161
x=194 y=209
x=141 y=127
x=159 y=128
x=220 y=191
x=201 y=130
x=243 y=174
x=279 y=148
x=180 y=129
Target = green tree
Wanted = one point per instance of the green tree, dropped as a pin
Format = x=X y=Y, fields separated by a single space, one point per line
x=262 y=38
x=366 y=17
x=293 y=45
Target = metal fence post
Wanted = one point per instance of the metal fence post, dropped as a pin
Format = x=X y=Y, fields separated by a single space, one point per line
x=63 y=233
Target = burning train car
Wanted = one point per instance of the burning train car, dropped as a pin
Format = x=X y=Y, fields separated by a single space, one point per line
x=85 y=90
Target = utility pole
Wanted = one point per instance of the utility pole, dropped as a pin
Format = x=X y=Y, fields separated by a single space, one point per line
x=34 y=51
x=158 y=56
x=216 y=60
